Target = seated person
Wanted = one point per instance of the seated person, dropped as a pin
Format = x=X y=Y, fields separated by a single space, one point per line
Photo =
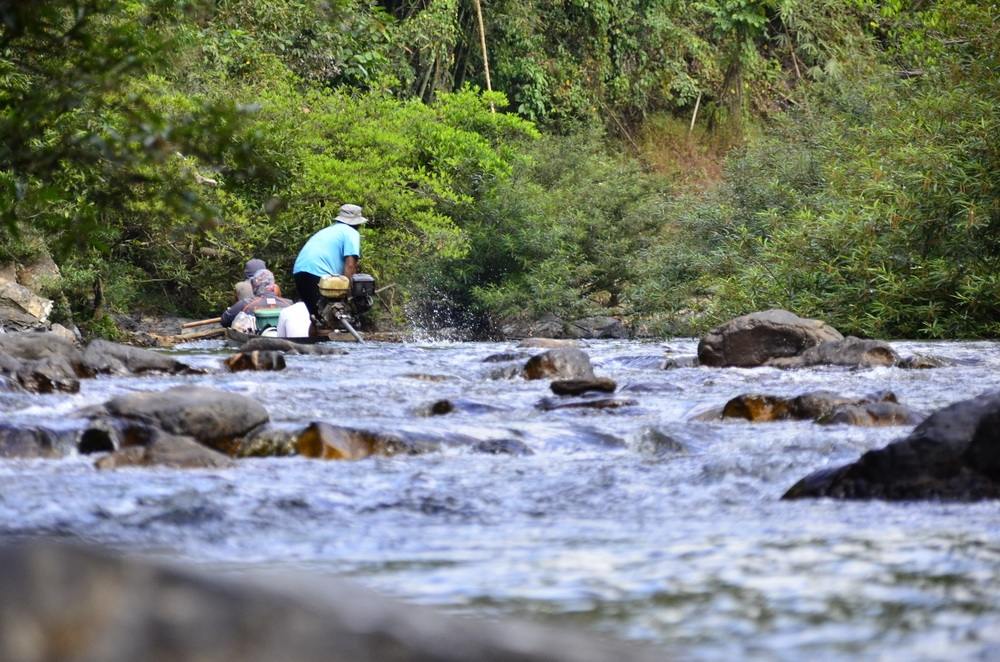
x=294 y=321
x=265 y=295
x=244 y=290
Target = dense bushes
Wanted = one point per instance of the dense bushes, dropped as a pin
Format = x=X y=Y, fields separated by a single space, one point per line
x=153 y=146
x=876 y=207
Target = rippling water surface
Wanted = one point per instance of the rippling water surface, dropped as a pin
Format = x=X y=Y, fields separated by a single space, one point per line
x=689 y=548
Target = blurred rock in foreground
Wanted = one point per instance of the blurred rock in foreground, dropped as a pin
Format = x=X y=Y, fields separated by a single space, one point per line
x=62 y=602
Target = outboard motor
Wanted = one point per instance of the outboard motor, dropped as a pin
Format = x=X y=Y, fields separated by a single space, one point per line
x=343 y=301
x=362 y=293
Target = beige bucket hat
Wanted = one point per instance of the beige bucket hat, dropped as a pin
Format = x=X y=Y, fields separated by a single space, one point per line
x=351 y=214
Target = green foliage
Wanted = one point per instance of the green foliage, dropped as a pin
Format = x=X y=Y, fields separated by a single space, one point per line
x=154 y=146
x=558 y=236
x=881 y=217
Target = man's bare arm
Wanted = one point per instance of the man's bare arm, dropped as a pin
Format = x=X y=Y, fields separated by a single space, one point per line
x=350 y=265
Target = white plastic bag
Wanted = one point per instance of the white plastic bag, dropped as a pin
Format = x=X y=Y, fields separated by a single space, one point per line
x=245 y=323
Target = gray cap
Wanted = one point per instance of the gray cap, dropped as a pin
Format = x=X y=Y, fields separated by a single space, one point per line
x=252 y=267
x=351 y=214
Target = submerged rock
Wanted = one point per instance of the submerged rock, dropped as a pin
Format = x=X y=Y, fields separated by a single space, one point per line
x=581 y=386
x=559 y=364
x=922 y=362
x=268 y=441
x=331 y=442
x=215 y=418
x=256 y=360
x=62 y=602
x=953 y=455
x=166 y=450
x=549 y=404
x=675 y=362
x=35 y=441
x=654 y=442
x=425 y=377
x=506 y=372
x=504 y=357
x=446 y=406
x=852 y=352
x=438 y=408
x=502 y=447
x=752 y=340
x=267 y=344
x=548 y=343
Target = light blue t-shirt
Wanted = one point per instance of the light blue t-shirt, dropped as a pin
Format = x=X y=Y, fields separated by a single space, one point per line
x=324 y=253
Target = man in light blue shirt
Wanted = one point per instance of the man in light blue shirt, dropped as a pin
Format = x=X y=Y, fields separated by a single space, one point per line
x=333 y=251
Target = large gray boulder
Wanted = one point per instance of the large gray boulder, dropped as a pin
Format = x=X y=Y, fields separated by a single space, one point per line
x=62 y=602
x=754 y=339
x=218 y=419
x=953 y=455
x=851 y=352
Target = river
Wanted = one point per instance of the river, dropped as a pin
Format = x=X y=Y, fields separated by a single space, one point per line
x=633 y=522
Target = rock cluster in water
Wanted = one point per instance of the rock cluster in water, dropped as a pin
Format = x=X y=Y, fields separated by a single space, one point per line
x=953 y=455
x=47 y=362
x=780 y=339
x=820 y=406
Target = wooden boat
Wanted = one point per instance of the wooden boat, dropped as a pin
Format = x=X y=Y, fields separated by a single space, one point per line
x=240 y=338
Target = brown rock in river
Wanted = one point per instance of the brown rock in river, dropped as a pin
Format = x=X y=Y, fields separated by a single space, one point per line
x=823 y=407
x=559 y=364
x=758 y=408
x=256 y=360
x=330 y=442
